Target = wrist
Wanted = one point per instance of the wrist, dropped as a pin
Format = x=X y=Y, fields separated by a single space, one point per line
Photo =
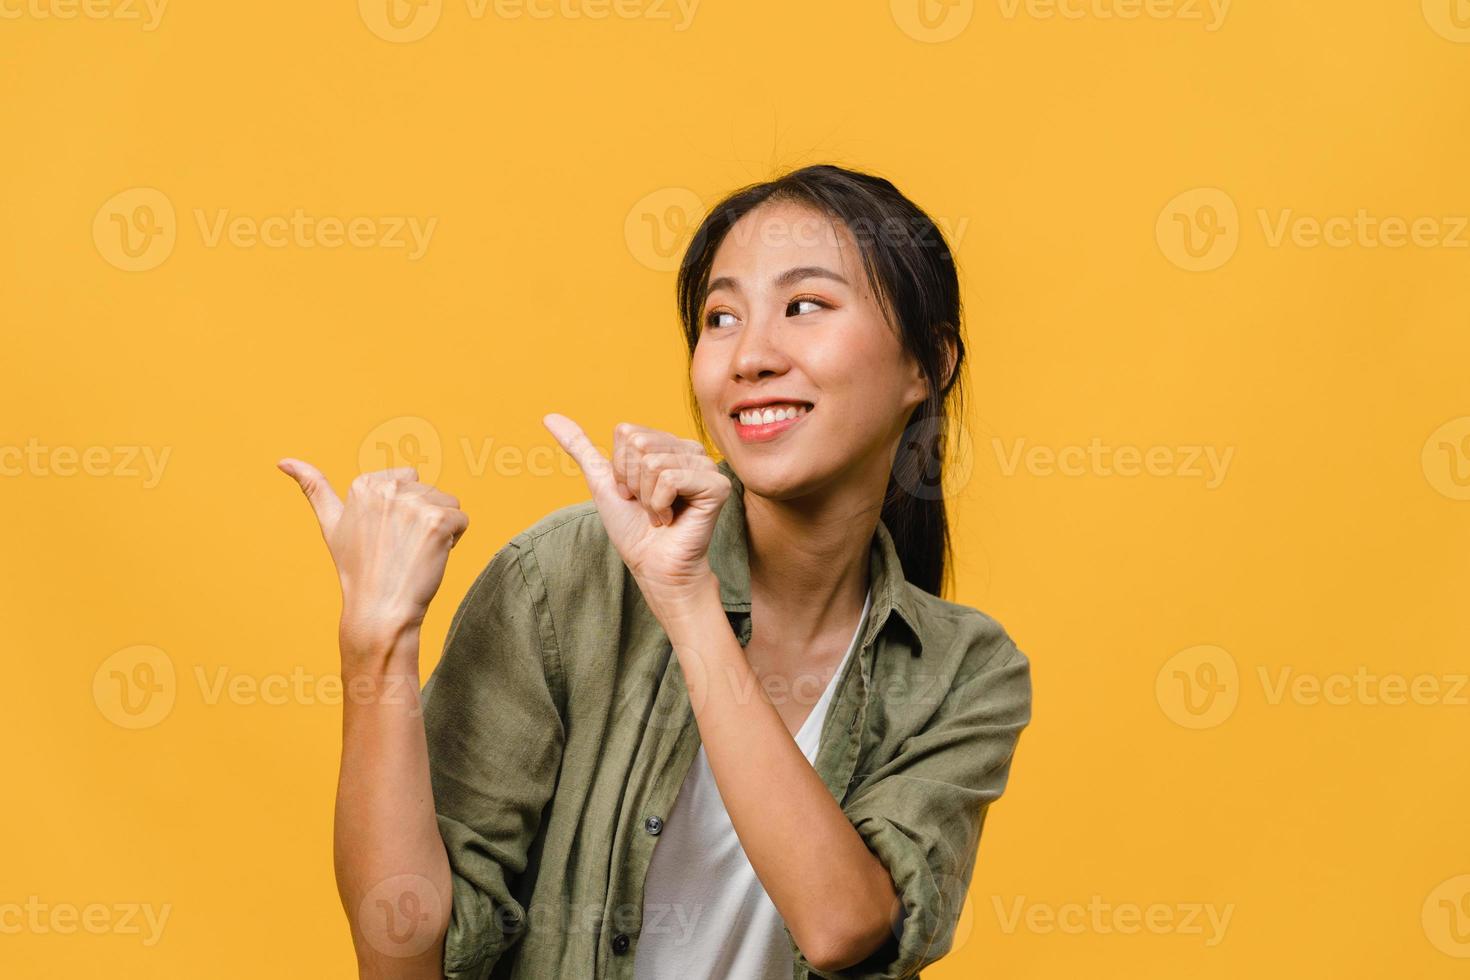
x=683 y=609
x=377 y=644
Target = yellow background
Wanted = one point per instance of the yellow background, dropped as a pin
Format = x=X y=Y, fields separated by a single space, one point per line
x=548 y=149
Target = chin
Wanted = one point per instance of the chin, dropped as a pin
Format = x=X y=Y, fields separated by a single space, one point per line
x=775 y=476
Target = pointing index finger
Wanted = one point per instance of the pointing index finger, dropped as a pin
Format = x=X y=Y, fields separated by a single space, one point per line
x=595 y=468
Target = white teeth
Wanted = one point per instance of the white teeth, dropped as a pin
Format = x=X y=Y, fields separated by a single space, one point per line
x=769 y=414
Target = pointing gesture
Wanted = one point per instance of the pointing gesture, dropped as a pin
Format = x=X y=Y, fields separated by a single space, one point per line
x=659 y=498
x=389 y=541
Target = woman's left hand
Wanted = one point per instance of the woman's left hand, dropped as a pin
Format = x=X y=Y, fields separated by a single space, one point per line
x=659 y=499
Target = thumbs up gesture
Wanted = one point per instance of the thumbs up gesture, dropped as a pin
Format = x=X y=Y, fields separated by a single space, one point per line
x=390 y=542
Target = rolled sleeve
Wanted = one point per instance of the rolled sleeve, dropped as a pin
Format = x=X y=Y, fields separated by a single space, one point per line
x=922 y=812
x=495 y=740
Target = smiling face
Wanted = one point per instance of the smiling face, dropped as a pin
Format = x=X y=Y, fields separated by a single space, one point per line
x=790 y=324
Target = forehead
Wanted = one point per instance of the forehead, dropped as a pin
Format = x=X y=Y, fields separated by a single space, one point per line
x=779 y=235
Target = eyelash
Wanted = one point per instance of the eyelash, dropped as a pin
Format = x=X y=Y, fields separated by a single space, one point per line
x=710 y=316
x=809 y=299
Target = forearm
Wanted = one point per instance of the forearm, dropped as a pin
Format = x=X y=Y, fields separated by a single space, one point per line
x=834 y=894
x=392 y=870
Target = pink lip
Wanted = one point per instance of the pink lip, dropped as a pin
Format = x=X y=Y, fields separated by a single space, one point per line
x=765 y=433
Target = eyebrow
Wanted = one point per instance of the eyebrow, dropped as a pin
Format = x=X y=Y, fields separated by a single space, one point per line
x=785 y=280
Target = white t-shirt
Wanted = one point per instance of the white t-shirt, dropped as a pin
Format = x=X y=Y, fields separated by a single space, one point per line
x=706 y=915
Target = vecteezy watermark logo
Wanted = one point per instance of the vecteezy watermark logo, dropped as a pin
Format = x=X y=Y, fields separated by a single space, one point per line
x=147 y=12
x=37 y=918
x=1446 y=917
x=660 y=225
x=921 y=468
x=135 y=229
x=932 y=21
x=121 y=462
x=410 y=440
x=405 y=440
x=1211 y=13
x=135 y=687
x=1097 y=459
x=1199 y=229
x=1363 y=687
x=405 y=21
x=955 y=907
x=1198 y=687
x=138 y=687
x=1206 y=920
x=302 y=230
x=1446 y=458
x=400 y=21
x=395 y=916
x=1450 y=19
x=1363 y=230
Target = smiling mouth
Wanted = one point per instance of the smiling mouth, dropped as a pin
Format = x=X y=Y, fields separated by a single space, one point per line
x=769 y=416
x=754 y=427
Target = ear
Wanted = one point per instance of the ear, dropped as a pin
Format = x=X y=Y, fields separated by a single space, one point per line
x=951 y=354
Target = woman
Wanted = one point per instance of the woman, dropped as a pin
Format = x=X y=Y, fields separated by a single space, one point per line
x=714 y=722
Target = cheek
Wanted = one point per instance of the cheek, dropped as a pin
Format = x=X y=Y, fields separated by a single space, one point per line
x=859 y=371
x=850 y=360
x=704 y=377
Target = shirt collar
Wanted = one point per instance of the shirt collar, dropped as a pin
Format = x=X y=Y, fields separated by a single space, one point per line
x=729 y=559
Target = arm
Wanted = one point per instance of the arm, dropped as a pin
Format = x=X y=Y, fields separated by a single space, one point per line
x=496 y=738
x=834 y=894
x=922 y=809
x=659 y=498
x=390 y=542
x=910 y=828
x=392 y=871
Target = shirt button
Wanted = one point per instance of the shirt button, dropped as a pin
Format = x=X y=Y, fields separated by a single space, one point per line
x=620 y=943
x=653 y=825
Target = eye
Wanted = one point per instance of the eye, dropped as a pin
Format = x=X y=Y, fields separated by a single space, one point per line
x=804 y=304
x=713 y=318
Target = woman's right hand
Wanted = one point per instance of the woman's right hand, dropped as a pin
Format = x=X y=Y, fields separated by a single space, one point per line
x=390 y=543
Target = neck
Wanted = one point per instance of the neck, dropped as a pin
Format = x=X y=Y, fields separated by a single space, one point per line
x=809 y=565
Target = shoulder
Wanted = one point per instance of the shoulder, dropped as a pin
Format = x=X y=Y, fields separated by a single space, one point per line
x=569 y=564
x=569 y=526
x=562 y=543
x=963 y=639
x=543 y=557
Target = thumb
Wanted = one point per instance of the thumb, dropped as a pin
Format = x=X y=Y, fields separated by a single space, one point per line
x=324 y=500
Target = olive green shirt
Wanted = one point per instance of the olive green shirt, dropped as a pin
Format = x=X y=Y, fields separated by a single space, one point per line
x=560 y=731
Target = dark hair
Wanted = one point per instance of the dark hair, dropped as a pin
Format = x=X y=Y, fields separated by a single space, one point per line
x=911 y=270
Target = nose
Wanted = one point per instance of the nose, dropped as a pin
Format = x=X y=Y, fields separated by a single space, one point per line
x=758 y=351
